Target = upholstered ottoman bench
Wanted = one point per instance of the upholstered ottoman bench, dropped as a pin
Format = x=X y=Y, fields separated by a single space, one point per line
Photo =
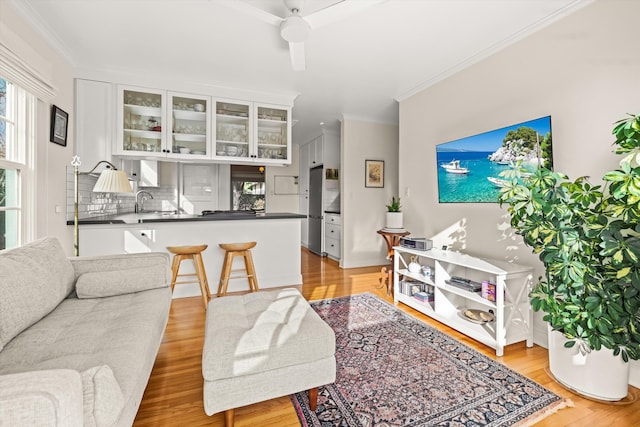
x=264 y=345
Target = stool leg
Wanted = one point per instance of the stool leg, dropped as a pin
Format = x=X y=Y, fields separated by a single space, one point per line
x=202 y=278
x=253 y=279
x=226 y=272
x=175 y=266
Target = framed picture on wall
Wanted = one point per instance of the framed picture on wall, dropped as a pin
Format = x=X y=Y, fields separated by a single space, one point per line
x=469 y=169
x=374 y=173
x=59 y=125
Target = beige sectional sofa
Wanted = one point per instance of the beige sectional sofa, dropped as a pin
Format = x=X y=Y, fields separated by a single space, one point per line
x=78 y=336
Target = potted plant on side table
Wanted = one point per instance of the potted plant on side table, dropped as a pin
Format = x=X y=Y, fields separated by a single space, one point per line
x=394 y=215
x=588 y=238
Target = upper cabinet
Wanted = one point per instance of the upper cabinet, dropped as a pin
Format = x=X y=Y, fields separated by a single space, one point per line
x=316 y=152
x=233 y=126
x=141 y=115
x=189 y=122
x=272 y=135
x=154 y=123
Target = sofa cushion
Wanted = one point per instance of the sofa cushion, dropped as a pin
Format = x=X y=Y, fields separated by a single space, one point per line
x=103 y=399
x=118 y=282
x=34 y=279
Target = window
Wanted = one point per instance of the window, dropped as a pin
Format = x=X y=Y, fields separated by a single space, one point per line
x=247 y=188
x=16 y=116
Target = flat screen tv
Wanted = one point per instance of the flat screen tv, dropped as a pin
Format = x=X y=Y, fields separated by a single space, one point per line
x=469 y=168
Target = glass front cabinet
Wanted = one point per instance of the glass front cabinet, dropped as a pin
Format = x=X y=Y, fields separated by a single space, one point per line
x=154 y=123
x=272 y=134
x=252 y=132
x=190 y=126
x=141 y=115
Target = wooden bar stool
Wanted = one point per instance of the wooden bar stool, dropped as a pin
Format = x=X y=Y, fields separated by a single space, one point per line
x=231 y=251
x=194 y=253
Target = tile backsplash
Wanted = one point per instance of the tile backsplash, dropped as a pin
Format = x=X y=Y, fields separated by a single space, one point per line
x=91 y=204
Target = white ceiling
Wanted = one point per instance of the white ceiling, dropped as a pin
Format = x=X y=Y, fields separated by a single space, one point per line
x=357 y=66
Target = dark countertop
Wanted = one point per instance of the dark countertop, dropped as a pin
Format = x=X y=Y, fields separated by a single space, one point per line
x=148 y=217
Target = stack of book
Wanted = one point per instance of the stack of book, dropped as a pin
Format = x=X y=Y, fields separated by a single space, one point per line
x=410 y=287
x=423 y=296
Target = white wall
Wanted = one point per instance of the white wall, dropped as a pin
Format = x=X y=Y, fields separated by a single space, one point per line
x=582 y=70
x=363 y=209
x=282 y=202
x=50 y=159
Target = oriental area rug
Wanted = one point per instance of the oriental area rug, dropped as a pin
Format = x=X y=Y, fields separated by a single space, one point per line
x=395 y=370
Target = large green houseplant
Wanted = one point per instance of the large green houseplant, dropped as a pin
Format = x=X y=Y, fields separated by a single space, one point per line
x=588 y=238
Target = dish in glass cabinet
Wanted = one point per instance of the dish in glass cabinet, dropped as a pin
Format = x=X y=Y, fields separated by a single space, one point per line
x=478 y=316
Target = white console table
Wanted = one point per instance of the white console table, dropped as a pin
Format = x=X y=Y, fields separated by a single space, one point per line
x=512 y=311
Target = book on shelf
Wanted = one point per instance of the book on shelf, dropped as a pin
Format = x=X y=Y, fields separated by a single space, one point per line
x=423 y=296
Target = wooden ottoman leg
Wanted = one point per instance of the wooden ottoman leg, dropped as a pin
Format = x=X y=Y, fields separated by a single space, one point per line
x=313 y=398
x=229 y=417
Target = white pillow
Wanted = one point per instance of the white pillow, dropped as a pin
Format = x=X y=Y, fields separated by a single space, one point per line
x=118 y=282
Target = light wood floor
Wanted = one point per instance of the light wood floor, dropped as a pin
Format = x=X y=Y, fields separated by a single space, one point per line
x=174 y=394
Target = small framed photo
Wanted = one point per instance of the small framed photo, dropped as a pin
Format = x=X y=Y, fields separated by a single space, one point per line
x=374 y=173
x=59 y=125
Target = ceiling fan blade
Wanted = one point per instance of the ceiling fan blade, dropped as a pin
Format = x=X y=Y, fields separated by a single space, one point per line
x=338 y=11
x=298 y=60
x=252 y=11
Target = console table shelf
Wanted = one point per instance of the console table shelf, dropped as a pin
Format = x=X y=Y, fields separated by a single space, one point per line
x=513 y=316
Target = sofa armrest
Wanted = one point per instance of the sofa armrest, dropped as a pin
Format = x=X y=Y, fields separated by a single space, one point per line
x=103 y=276
x=42 y=398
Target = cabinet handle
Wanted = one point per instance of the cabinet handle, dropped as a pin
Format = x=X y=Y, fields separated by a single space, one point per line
x=143 y=234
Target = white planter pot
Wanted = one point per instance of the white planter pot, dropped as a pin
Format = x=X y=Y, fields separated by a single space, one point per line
x=598 y=374
x=394 y=220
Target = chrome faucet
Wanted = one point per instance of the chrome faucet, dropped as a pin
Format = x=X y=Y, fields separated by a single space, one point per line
x=139 y=207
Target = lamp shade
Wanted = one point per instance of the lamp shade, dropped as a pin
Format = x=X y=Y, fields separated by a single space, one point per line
x=112 y=181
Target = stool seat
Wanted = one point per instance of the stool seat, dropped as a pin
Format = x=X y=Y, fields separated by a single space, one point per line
x=231 y=251
x=237 y=246
x=186 y=250
x=194 y=253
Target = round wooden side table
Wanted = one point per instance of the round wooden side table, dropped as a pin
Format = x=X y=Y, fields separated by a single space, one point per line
x=391 y=238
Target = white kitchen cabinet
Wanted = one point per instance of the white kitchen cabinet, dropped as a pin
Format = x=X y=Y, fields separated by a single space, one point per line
x=303 y=188
x=332 y=233
x=316 y=152
x=513 y=316
x=94 y=121
x=159 y=123
x=189 y=123
x=272 y=135
x=156 y=123
x=141 y=124
x=233 y=129
x=250 y=132
x=303 y=181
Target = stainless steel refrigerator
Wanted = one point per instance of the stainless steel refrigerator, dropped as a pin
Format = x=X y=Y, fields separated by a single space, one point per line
x=315 y=210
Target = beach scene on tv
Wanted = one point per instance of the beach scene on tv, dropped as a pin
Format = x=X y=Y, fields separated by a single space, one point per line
x=469 y=168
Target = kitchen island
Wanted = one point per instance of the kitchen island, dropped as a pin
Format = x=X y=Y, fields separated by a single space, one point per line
x=276 y=255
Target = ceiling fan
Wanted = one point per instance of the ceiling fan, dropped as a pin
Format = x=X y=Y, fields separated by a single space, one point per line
x=295 y=27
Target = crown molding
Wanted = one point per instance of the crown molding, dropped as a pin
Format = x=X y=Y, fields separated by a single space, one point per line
x=40 y=26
